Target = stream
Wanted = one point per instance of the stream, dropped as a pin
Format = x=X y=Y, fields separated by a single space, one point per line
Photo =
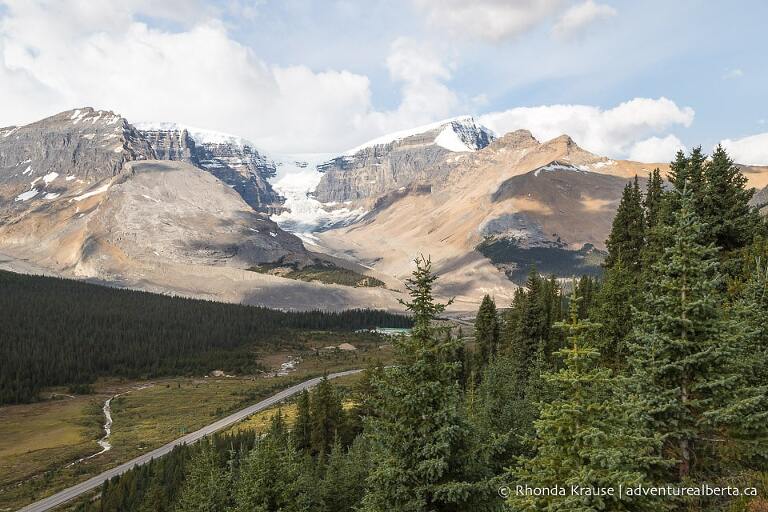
x=104 y=441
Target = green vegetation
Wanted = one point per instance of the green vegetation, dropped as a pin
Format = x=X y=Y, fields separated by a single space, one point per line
x=322 y=271
x=39 y=440
x=308 y=469
x=63 y=332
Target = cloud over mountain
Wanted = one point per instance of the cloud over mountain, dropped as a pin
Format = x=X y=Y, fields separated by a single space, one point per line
x=612 y=132
x=752 y=150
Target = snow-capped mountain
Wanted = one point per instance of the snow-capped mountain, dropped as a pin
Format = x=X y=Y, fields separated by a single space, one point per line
x=399 y=159
x=234 y=160
x=461 y=133
x=84 y=193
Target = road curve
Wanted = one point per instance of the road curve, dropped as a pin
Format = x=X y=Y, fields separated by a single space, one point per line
x=92 y=483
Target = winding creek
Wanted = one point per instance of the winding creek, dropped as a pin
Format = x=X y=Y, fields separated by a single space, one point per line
x=107 y=410
x=104 y=441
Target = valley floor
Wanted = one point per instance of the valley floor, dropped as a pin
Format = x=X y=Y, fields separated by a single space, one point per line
x=38 y=442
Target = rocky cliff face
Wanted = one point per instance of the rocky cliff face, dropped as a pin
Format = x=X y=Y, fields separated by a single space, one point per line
x=43 y=160
x=231 y=159
x=396 y=161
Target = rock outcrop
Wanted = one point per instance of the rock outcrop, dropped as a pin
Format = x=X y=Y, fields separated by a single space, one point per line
x=44 y=160
x=231 y=159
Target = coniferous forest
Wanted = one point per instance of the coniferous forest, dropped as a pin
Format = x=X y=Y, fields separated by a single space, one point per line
x=654 y=376
x=64 y=332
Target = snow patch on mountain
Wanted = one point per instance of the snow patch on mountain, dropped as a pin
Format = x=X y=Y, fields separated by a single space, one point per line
x=461 y=126
x=451 y=141
x=558 y=166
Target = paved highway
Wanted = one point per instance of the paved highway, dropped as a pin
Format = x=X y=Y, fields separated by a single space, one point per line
x=92 y=483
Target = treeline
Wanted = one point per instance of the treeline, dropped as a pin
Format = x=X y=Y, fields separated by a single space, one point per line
x=655 y=376
x=57 y=331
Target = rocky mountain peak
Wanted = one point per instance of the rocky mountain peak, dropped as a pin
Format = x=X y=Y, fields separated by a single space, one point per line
x=399 y=159
x=563 y=143
x=565 y=148
x=517 y=139
x=232 y=159
x=47 y=158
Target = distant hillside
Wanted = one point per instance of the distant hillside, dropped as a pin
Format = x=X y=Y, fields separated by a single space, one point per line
x=59 y=332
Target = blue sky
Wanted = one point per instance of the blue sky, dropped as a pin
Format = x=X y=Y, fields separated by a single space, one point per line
x=303 y=76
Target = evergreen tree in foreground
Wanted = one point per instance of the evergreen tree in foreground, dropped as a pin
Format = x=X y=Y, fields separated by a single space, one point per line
x=302 y=428
x=274 y=476
x=586 y=436
x=614 y=313
x=526 y=330
x=656 y=206
x=206 y=486
x=627 y=236
x=422 y=452
x=486 y=331
x=747 y=413
x=682 y=342
x=725 y=208
x=327 y=418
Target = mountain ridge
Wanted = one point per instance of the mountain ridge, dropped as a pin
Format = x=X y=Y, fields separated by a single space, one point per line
x=86 y=193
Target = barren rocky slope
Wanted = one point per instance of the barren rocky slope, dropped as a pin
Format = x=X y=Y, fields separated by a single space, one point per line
x=494 y=212
x=171 y=227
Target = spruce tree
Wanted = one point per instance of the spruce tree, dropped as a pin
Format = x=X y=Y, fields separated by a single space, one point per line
x=511 y=325
x=486 y=331
x=730 y=220
x=327 y=417
x=302 y=427
x=422 y=446
x=614 y=313
x=274 y=476
x=681 y=342
x=627 y=236
x=551 y=310
x=530 y=332
x=655 y=204
x=678 y=171
x=746 y=417
x=501 y=413
x=586 y=435
x=206 y=486
x=342 y=486
x=654 y=197
x=586 y=289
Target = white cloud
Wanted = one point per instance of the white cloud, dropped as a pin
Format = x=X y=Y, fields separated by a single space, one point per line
x=752 y=150
x=579 y=17
x=656 y=149
x=59 y=55
x=490 y=20
x=732 y=74
x=421 y=70
x=610 y=132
